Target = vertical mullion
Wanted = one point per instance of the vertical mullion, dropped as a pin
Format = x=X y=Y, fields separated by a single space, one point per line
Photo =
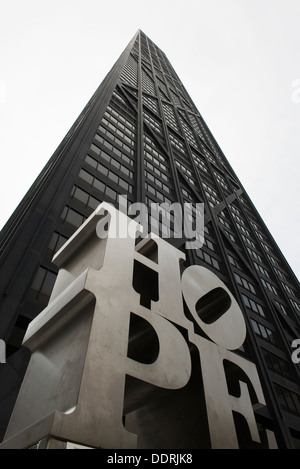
x=140 y=177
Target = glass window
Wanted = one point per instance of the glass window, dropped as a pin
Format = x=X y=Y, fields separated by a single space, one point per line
x=110 y=193
x=246 y=301
x=215 y=263
x=95 y=149
x=113 y=177
x=117 y=152
x=105 y=156
x=91 y=161
x=81 y=195
x=48 y=284
x=255 y=327
x=115 y=163
x=102 y=169
x=39 y=278
x=74 y=218
x=125 y=171
x=43 y=284
x=123 y=184
x=93 y=203
x=99 y=185
x=86 y=176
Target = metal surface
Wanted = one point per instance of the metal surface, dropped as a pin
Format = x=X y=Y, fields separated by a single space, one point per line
x=75 y=384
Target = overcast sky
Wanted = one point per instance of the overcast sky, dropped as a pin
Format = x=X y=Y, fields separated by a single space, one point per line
x=238 y=60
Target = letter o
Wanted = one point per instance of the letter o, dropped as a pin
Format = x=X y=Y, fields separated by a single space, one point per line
x=228 y=328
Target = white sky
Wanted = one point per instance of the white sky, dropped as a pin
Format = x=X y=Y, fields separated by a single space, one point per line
x=238 y=59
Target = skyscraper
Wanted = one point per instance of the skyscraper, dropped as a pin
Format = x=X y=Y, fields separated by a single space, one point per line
x=141 y=136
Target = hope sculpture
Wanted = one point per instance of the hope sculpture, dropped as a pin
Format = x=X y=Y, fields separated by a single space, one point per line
x=75 y=383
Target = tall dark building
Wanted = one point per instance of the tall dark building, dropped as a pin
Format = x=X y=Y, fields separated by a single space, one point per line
x=141 y=135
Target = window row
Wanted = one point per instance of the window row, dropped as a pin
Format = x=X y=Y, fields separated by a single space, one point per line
x=208 y=155
x=212 y=199
x=200 y=164
x=281 y=307
x=221 y=181
x=288 y=289
x=242 y=228
x=277 y=364
x=121 y=134
x=295 y=305
x=233 y=261
x=152 y=122
x=256 y=307
x=112 y=122
x=97 y=184
x=209 y=244
x=147 y=83
x=151 y=103
x=186 y=172
x=155 y=169
x=85 y=198
x=274 y=261
x=259 y=235
x=230 y=236
x=289 y=400
x=248 y=241
x=69 y=215
x=163 y=90
x=157 y=182
x=187 y=194
x=119 y=98
x=150 y=148
x=175 y=97
x=115 y=178
x=144 y=50
x=224 y=222
x=158 y=211
x=266 y=247
x=42 y=284
x=268 y=286
x=120 y=118
x=239 y=220
x=188 y=133
x=208 y=259
x=235 y=210
x=129 y=73
x=264 y=332
x=254 y=254
x=261 y=269
x=110 y=147
x=56 y=242
x=210 y=190
x=244 y=283
x=177 y=144
x=156 y=161
x=111 y=161
x=280 y=274
x=160 y=228
x=245 y=204
x=119 y=105
x=157 y=193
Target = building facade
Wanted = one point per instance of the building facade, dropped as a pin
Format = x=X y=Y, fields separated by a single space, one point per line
x=142 y=137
